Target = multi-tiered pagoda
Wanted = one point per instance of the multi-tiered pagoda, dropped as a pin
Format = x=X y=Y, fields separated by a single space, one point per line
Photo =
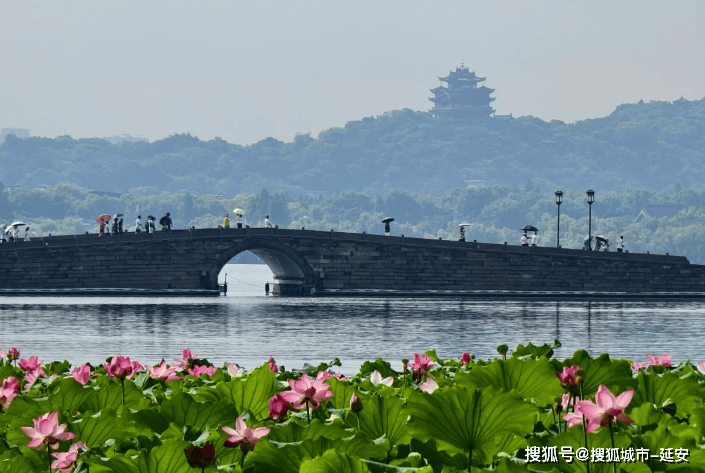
x=462 y=98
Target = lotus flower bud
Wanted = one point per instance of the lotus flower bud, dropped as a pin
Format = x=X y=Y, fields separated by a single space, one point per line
x=579 y=376
x=405 y=363
x=355 y=403
x=278 y=407
x=465 y=358
x=13 y=354
x=558 y=405
x=200 y=457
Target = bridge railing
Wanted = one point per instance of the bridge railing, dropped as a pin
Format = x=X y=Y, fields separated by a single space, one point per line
x=94 y=239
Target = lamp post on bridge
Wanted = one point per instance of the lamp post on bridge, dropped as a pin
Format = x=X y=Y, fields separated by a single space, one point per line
x=590 y=200
x=559 y=201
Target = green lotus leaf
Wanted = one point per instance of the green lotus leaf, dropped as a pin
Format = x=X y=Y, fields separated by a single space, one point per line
x=616 y=375
x=467 y=420
x=146 y=421
x=182 y=409
x=507 y=465
x=437 y=459
x=26 y=408
x=70 y=395
x=382 y=416
x=271 y=456
x=169 y=457
x=56 y=367
x=534 y=351
x=342 y=392
x=663 y=437
x=384 y=368
x=251 y=393
x=110 y=396
x=333 y=462
x=295 y=431
x=531 y=378
x=94 y=430
x=697 y=421
x=668 y=388
x=21 y=464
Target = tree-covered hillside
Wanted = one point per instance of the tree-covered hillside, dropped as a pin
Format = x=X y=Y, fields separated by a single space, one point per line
x=643 y=146
x=676 y=223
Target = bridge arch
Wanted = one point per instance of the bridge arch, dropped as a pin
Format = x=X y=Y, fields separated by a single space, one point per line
x=290 y=269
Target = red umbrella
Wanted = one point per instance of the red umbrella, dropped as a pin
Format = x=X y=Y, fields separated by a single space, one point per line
x=103 y=218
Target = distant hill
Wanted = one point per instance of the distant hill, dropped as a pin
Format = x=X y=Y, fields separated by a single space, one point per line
x=645 y=145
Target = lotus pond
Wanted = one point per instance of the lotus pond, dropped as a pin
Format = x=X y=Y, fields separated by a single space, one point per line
x=519 y=412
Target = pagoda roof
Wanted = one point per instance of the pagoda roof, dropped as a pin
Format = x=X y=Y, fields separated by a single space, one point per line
x=462 y=73
x=681 y=100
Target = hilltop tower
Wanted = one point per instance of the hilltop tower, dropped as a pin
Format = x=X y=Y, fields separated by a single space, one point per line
x=462 y=98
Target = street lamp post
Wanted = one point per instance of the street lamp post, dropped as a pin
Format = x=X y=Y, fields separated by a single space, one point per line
x=559 y=201
x=590 y=200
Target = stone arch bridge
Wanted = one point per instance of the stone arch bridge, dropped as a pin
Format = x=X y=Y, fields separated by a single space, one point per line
x=333 y=263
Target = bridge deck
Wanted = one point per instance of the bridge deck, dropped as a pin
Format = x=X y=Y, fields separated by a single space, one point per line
x=94 y=239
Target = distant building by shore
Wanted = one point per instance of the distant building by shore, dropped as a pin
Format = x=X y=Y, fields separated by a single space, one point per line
x=18 y=132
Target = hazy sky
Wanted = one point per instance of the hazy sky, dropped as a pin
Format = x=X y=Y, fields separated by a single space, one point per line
x=246 y=70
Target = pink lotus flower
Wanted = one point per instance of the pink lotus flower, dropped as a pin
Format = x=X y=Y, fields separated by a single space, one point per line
x=272 y=365
x=2 y=354
x=13 y=354
x=243 y=436
x=30 y=365
x=6 y=397
x=66 y=461
x=234 y=370
x=121 y=367
x=12 y=384
x=428 y=386
x=608 y=408
x=376 y=378
x=420 y=365
x=701 y=367
x=197 y=371
x=162 y=371
x=567 y=400
x=81 y=374
x=568 y=378
x=47 y=431
x=663 y=360
x=186 y=360
x=636 y=366
x=307 y=392
x=465 y=358
x=32 y=376
x=278 y=407
x=327 y=374
x=573 y=418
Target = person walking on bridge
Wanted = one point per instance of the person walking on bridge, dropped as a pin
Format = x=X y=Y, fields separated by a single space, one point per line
x=26 y=234
x=115 y=226
x=267 y=222
x=226 y=221
x=138 y=224
x=165 y=222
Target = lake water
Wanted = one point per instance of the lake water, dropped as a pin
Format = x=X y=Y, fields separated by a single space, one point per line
x=246 y=327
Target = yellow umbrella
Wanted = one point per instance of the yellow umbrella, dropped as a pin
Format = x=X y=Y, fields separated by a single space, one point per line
x=239 y=211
